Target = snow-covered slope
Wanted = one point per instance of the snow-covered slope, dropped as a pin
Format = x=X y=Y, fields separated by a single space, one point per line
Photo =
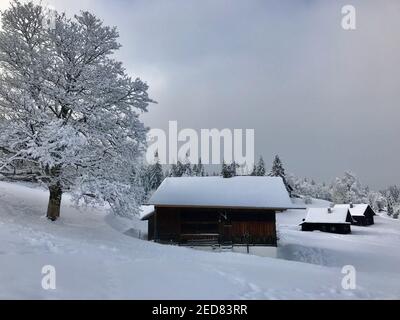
x=95 y=257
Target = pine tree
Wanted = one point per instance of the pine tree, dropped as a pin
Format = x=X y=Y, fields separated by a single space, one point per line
x=178 y=169
x=195 y=170
x=155 y=174
x=173 y=172
x=200 y=169
x=225 y=172
x=277 y=168
x=187 y=170
x=260 y=170
x=278 y=171
x=229 y=171
x=233 y=169
x=181 y=168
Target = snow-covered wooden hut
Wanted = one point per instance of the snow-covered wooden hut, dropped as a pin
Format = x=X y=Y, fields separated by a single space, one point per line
x=215 y=210
x=362 y=214
x=336 y=220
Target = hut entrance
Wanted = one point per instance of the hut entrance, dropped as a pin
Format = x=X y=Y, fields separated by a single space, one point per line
x=227 y=232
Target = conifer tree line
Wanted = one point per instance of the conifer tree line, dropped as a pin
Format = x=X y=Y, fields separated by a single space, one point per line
x=152 y=175
x=345 y=189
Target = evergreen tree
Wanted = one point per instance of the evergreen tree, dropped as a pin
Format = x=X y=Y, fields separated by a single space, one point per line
x=228 y=171
x=187 y=170
x=278 y=171
x=195 y=170
x=277 y=168
x=260 y=169
x=225 y=172
x=180 y=169
x=187 y=167
x=155 y=174
x=198 y=169
x=174 y=170
x=233 y=169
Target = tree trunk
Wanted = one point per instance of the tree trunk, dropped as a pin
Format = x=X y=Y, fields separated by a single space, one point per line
x=53 y=210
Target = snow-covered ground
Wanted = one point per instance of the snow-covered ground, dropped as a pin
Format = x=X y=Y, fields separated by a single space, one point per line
x=96 y=256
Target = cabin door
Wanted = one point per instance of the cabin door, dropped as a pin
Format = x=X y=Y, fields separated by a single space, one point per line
x=225 y=227
x=227 y=232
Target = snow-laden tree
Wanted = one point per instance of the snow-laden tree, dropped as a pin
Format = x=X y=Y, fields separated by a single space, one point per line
x=181 y=168
x=396 y=213
x=225 y=171
x=307 y=200
x=198 y=169
x=69 y=113
x=309 y=188
x=187 y=170
x=151 y=176
x=348 y=189
x=259 y=168
x=156 y=174
x=278 y=171
x=229 y=170
x=233 y=167
x=394 y=193
x=391 y=197
x=376 y=200
x=173 y=171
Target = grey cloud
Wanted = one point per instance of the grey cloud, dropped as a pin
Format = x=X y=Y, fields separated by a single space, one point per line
x=325 y=99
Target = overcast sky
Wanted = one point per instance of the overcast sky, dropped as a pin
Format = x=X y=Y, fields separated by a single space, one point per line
x=325 y=99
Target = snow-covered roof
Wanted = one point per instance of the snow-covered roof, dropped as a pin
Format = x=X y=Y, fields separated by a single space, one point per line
x=236 y=192
x=322 y=215
x=146 y=212
x=357 y=210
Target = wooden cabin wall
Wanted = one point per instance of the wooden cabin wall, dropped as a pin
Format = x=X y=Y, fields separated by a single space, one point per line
x=254 y=227
x=240 y=226
x=150 y=227
x=167 y=224
x=327 y=227
x=370 y=216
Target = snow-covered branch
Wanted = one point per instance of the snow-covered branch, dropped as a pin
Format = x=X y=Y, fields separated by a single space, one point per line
x=68 y=111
